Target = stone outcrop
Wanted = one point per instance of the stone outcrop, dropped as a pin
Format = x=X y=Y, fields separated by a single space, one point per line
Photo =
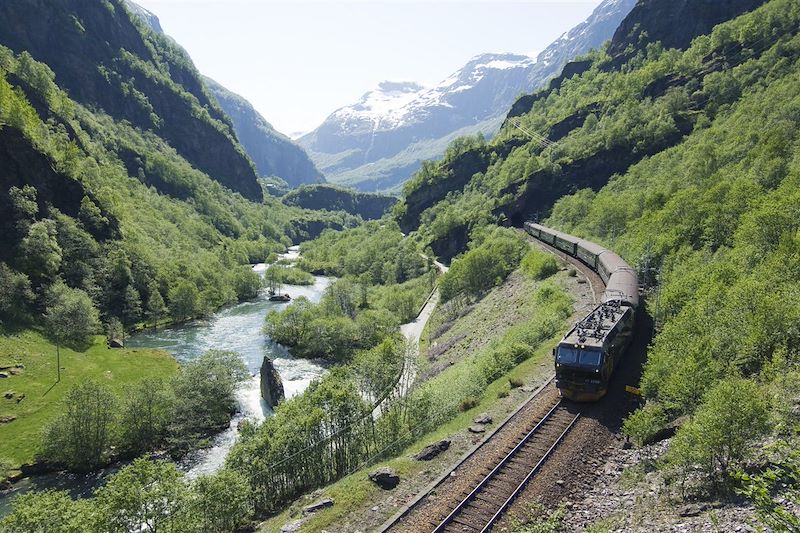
x=385 y=478
x=432 y=450
x=271 y=383
x=318 y=506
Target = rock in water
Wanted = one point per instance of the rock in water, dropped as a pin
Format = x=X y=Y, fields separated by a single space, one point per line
x=271 y=384
x=385 y=478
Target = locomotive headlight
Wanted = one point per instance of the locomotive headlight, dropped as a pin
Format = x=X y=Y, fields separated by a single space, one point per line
x=597 y=370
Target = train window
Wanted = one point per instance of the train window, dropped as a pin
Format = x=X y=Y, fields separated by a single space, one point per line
x=567 y=356
x=590 y=358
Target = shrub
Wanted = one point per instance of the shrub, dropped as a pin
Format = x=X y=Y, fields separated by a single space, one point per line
x=644 y=423
x=732 y=416
x=538 y=264
x=80 y=437
x=468 y=403
x=515 y=382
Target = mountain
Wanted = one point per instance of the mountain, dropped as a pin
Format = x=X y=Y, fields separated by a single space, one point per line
x=104 y=61
x=368 y=206
x=273 y=153
x=379 y=142
x=120 y=176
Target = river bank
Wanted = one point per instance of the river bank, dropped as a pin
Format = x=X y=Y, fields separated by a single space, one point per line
x=235 y=328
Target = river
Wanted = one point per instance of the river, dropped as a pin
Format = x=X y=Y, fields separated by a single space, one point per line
x=236 y=328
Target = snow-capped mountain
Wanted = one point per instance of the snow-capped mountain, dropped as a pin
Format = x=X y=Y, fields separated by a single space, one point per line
x=379 y=142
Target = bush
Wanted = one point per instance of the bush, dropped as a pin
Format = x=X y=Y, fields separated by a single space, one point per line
x=515 y=383
x=491 y=259
x=645 y=423
x=468 y=403
x=204 y=397
x=80 y=437
x=286 y=275
x=539 y=265
x=732 y=416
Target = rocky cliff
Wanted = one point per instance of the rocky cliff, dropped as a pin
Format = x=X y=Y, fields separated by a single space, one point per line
x=273 y=153
x=368 y=206
x=108 y=59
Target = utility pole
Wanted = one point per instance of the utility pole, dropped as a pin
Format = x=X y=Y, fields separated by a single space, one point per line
x=58 y=361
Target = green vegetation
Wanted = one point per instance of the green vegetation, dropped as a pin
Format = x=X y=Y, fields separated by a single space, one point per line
x=155 y=413
x=281 y=274
x=383 y=282
x=137 y=241
x=516 y=313
x=37 y=397
x=368 y=206
x=540 y=265
x=492 y=256
x=685 y=163
x=145 y=494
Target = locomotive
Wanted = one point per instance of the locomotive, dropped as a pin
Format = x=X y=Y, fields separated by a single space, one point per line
x=587 y=356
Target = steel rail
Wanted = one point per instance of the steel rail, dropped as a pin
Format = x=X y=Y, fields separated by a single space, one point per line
x=501 y=465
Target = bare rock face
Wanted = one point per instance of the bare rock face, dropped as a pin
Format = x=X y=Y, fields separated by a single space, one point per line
x=271 y=384
x=432 y=450
x=385 y=478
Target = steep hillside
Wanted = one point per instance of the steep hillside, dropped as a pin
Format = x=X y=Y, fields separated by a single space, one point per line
x=109 y=60
x=366 y=205
x=114 y=210
x=577 y=134
x=685 y=160
x=378 y=142
x=273 y=153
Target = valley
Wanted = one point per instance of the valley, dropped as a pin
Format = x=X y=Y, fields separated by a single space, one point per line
x=553 y=291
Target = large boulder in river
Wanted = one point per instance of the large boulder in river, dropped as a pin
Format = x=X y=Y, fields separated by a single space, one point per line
x=271 y=384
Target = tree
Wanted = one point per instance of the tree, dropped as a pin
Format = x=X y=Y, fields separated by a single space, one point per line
x=774 y=490
x=40 y=251
x=734 y=413
x=220 y=502
x=47 y=511
x=146 y=412
x=80 y=436
x=246 y=283
x=23 y=202
x=131 y=307
x=184 y=300
x=144 y=496
x=205 y=396
x=15 y=294
x=155 y=304
x=71 y=315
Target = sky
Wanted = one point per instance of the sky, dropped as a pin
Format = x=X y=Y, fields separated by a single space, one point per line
x=297 y=61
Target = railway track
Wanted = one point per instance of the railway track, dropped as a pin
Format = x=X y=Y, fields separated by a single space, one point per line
x=483 y=506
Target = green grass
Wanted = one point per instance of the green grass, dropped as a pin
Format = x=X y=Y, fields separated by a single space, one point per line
x=37 y=381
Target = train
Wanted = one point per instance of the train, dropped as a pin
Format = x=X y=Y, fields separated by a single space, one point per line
x=587 y=356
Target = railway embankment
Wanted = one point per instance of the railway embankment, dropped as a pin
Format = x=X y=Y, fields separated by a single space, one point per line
x=360 y=505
